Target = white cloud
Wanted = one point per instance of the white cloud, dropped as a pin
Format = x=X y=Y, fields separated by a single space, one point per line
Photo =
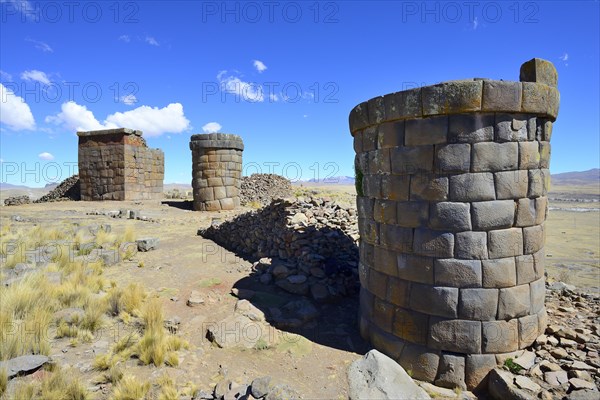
x=153 y=121
x=130 y=99
x=43 y=46
x=475 y=23
x=259 y=65
x=273 y=97
x=46 y=156
x=125 y=38
x=564 y=57
x=151 y=41
x=246 y=90
x=76 y=118
x=14 y=112
x=35 y=76
x=212 y=127
x=5 y=76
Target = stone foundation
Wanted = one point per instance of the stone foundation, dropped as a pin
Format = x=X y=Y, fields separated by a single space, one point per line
x=116 y=164
x=216 y=171
x=452 y=204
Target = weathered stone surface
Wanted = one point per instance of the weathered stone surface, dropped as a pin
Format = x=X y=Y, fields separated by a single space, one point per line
x=395 y=187
x=385 y=211
x=376 y=110
x=377 y=376
x=540 y=71
x=428 y=188
x=433 y=243
x=477 y=368
x=396 y=237
x=421 y=362
x=529 y=155
x=501 y=386
x=505 y=243
x=452 y=97
x=411 y=160
x=453 y=158
x=260 y=386
x=500 y=336
x=457 y=273
x=471 y=245
x=423 y=131
x=23 y=365
x=451 y=372
x=390 y=134
x=450 y=216
x=494 y=157
x=534 y=238
x=501 y=96
x=496 y=214
x=471 y=128
x=511 y=128
x=389 y=344
x=511 y=184
x=411 y=326
x=472 y=187
x=514 y=302
x=415 y=268
x=147 y=244
x=383 y=314
x=528 y=330
x=525 y=269
x=526 y=212
x=478 y=304
x=404 y=104
x=398 y=292
x=455 y=335
x=434 y=300
x=538 y=293
x=412 y=214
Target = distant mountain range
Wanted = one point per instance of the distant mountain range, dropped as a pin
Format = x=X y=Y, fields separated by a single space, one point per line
x=589 y=177
x=333 y=180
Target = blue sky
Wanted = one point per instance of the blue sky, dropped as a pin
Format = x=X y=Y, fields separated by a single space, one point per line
x=283 y=75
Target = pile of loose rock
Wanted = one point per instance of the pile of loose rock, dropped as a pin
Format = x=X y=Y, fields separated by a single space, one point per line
x=263 y=188
x=305 y=245
x=16 y=200
x=69 y=189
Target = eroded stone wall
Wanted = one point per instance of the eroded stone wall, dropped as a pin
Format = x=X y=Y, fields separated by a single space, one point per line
x=451 y=205
x=116 y=164
x=216 y=171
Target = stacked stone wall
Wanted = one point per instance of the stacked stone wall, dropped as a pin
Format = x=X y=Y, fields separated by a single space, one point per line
x=216 y=171
x=451 y=206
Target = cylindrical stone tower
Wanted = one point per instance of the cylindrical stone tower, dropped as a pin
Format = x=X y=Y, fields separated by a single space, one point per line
x=452 y=182
x=216 y=171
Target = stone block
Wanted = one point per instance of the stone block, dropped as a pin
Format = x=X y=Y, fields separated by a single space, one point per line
x=378 y=161
x=528 y=330
x=539 y=182
x=471 y=245
x=542 y=320
x=529 y=155
x=491 y=156
x=538 y=295
x=455 y=335
x=472 y=187
x=452 y=97
x=514 y=302
x=505 y=243
x=511 y=128
x=451 y=372
x=415 y=268
x=359 y=117
x=420 y=361
x=227 y=204
x=385 y=211
x=540 y=71
x=471 y=128
x=450 y=216
x=539 y=99
x=372 y=186
x=533 y=238
x=411 y=326
x=539 y=260
x=499 y=273
x=411 y=160
x=477 y=368
x=376 y=110
x=433 y=300
x=457 y=273
x=390 y=134
x=500 y=336
x=496 y=214
x=369 y=230
x=541 y=209
x=478 y=304
x=525 y=269
x=396 y=237
x=501 y=96
x=366 y=303
x=365 y=207
x=384 y=260
x=452 y=158
x=424 y=131
x=363 y=274
x=433 y=243
x=387 y=343
x=412 y=214
x=395 y=187
x=526 y=212
x=404 y=104
x=383 y=315
x=398 y=292
x=511 y=184
x=428 y=188
x=545 y=154
x=370 y=136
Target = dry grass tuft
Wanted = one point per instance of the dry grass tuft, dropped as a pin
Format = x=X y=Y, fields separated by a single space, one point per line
x=168 y=391
x=3 y=381
x=57 y=385
x=129 y=388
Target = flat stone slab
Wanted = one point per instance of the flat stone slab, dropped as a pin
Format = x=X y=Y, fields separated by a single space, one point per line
x=147 y=244
x=23 y=365
x=376 y=376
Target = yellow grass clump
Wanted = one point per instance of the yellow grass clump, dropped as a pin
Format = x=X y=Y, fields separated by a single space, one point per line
x=129 y=388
